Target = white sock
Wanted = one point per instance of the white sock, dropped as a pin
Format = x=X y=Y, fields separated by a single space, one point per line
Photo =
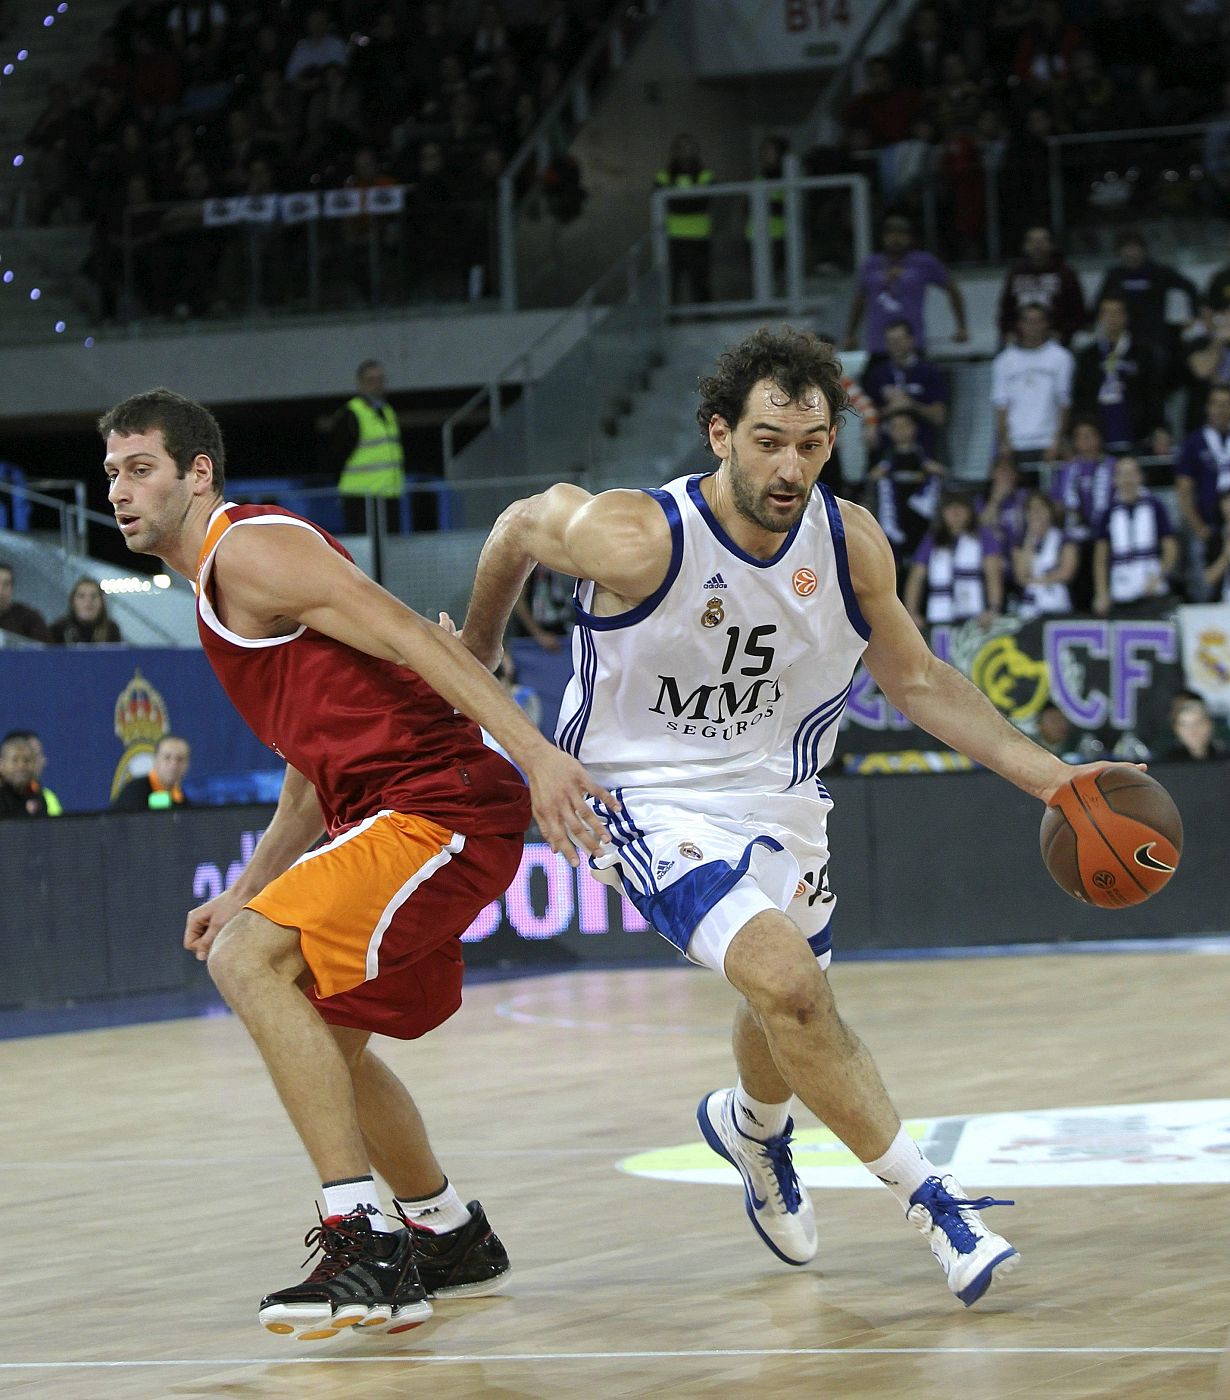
x=439 y=1213
x=343 y=1197
x=903 y=1168
x=760 y=1120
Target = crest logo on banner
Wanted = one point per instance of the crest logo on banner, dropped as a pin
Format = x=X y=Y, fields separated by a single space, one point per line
x=1206 y=653
x=141 y=719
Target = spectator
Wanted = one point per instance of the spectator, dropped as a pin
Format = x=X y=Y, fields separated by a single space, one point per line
x=16 y=617
x=1202 y=468
x=903 y=488
x=882 y=106
x=21 y=765
x=365 y=446
x=1136 y=549
x=187 y=251
x=86 y=620
x=961 y=567
x=1116 y=379
x=922 y=51
x=1002 y=509
x=1044 y=564
x=317 y=49
x=525 y=696
x=1083 y=486
x=689 y=226
x=1145 y=286
x=1054 y=734
x=1031 y=390
x=1026 y=172
x=1044 y=54
x=770 y=161
x=1193 y=731
x=1217 y=575
x=1208 y=359
x=1088 y=100
x=1042 y=278
x=892 y=285
x=904 y=380
x=160 y=789
x=545 y=609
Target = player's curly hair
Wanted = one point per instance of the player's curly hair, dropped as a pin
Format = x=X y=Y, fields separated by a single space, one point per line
x=794 y=360
x=188 y=428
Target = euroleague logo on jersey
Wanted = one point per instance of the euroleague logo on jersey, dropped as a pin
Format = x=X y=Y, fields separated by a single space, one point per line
x=804 y=582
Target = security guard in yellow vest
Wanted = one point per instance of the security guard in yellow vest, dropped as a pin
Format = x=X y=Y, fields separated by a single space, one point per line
x=689 y=226
x=773 y=152
x=366 y=439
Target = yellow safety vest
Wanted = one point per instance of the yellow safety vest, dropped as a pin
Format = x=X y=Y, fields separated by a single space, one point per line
x=690 y=218
x=375 y=467
x=777 y=216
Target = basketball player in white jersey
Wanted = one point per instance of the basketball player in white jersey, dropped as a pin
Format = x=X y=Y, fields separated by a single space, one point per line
x=719 y=624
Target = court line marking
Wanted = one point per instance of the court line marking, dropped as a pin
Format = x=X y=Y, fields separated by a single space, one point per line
x=464 y=1359
x=129 y=1163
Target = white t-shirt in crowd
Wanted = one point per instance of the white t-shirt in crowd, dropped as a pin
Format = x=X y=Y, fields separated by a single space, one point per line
x=1035 y=386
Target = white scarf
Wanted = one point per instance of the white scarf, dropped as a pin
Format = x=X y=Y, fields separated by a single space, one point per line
x=1042 y=598
x=1135 y=552
x=954 y=581
x=1219 y=450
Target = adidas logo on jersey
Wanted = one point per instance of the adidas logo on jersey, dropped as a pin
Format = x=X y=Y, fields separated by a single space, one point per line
x=717 y=581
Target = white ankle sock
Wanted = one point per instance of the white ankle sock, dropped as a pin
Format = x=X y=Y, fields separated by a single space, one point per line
x=903 y=1168
x=439 y=1213
x=342 y=1197
x=760 y=1120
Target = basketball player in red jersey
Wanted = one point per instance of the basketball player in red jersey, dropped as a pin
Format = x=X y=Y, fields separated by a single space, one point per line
x=360 y=696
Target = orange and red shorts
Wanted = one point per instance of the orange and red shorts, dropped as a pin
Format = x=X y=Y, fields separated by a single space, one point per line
x=380 y=911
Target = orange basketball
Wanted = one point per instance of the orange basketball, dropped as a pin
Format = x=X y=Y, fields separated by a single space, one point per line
x=1112 y=838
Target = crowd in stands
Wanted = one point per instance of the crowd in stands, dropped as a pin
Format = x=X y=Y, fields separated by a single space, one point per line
x=192 y=99
x=973 y=93
x=1063 y=517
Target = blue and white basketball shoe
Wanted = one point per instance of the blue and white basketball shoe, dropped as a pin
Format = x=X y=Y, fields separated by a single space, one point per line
x=777 y=1203
x=970 y=1255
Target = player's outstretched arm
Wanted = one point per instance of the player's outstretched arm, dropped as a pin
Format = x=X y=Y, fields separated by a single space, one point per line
x=928 y=691
x=295 y=826
x=272 y=579
x=620 y=539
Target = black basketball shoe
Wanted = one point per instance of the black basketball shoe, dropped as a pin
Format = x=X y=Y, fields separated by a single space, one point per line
x=364 y=1279
x=468 y=1262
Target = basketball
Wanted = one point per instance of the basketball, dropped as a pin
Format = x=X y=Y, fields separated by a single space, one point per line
x=1111 y=838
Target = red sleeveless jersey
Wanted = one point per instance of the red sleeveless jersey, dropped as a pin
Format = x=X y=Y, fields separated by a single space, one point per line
x=368 y=734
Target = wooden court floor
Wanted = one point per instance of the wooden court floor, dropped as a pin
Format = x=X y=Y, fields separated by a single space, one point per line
x=152 y=1192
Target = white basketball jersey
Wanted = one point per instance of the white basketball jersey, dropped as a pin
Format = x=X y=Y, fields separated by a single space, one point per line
x=734 y=674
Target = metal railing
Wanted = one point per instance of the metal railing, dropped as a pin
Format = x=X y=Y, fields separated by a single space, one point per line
x=556 y=422
x=71 y=518
x=607 y=53
x=775 y=273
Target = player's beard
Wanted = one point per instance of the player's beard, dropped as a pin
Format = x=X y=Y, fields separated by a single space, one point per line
x=754 y=504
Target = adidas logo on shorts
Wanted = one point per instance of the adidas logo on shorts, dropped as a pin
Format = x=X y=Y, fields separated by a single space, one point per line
x=662 y=867
x=717 y=581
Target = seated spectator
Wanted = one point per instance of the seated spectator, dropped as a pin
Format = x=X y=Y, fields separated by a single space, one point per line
x=1088 y=100
x=16 y=617
x=1045 y=562
x=86 y=620
x=1116 y=380
x=160 y=789
x=1044 y=54
x=1031 y=391
x=960 y=566
x=1192 y=726
x=882 y=106
x=1146 y=286
x=1135 y=550
x=904 y=380
x=1002 y=509
x=545 y=609
x=1055 y=735
x=1208 y=358
x=1202 y=471
x=21 y=766
x=1217 y=574
x=1042 y=278
x=903 y=487
x=892 y=286
x=317 y=49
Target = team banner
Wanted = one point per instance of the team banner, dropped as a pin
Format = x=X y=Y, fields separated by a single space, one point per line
x=302 y=206
x=1206 y=653
x=775 y=36
x=1107 y=676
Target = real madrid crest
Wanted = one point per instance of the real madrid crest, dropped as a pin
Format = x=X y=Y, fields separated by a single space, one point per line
x=713 y=614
